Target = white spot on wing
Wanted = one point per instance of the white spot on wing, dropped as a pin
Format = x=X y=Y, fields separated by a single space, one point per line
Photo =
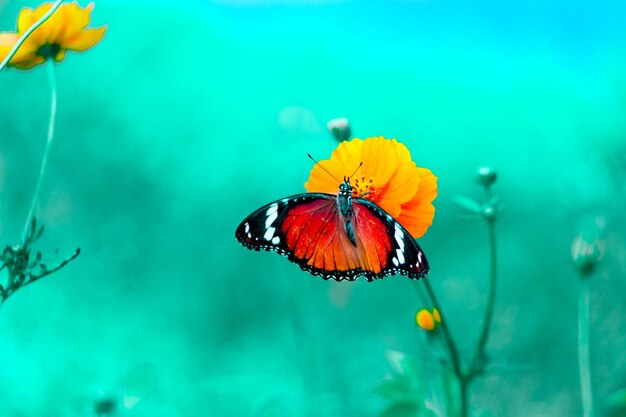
x=247 y=226
x=395 y=261
x=399 y=238
x=271 y=215
x=400 y=256
x=269 y=233
x=276 y=240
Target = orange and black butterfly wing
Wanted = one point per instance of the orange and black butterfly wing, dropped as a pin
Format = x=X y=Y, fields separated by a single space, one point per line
x=309 y=230
x=385 y=247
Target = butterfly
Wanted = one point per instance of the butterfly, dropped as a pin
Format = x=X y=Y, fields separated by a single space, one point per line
x=338 y=237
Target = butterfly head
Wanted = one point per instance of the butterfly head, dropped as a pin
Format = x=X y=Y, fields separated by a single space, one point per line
x=345 y=188
x=344 y=198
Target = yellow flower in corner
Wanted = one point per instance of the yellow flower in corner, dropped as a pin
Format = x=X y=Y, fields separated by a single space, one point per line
x=388 y=177
x=66 y=30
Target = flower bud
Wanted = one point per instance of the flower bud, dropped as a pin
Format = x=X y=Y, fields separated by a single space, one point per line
x=436 y=315
x=425 y=320
x=340 y=128
x=486 y=176
x=488 y=212
x=586 y=254
x=105 y=406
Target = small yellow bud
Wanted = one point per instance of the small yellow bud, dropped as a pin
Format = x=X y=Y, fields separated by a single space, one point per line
x=436 y=315
x=425 y=320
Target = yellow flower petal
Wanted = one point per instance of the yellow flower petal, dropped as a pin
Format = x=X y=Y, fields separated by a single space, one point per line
x=7 y=41
x=76 y=20
x=338 y=166
x=417 y=215
x=345 y=159
x=25 y=20
x=85 y=39
x=24 y=55
x=402 y=185
x=379 y=160
x=28 y=62
x=29 y=17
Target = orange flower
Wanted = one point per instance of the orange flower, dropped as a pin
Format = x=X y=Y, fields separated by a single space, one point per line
x=66 y=30
x=387 y=177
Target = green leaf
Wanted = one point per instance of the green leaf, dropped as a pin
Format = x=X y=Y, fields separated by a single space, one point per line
x=406 y=366
x=468 y=204
x=406 y=389
x=33 y=225
x=398 y=388
x=397 y=360
x=40 y=232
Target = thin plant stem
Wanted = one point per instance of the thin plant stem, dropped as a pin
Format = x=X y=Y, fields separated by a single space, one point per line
x=454 y=353
x=583 y=347
x=26 y=34
x=452 y=350
x=477 y=364
x=46 y=155
x=463 y=385
x=420 y=292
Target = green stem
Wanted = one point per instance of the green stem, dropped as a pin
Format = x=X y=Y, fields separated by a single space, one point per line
x=26 y=34
x=452 y=349
x=454 y=353
x=583 y=347
x=46 y=155
x=477 y=365
x=464 y=383
x=420 y=293
x=478 y=362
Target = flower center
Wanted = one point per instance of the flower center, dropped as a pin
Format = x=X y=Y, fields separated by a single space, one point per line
x=49 y=50
x=364 y=188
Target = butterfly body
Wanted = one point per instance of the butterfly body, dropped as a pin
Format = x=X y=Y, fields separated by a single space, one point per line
x=344 y=204
x=338 y=237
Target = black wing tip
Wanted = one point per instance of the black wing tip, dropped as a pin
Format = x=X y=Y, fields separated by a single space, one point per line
x=355 y=274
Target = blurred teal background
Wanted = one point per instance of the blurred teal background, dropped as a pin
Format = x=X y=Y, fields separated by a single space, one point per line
x=190 y=115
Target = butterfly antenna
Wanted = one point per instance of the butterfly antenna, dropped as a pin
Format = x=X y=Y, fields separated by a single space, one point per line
x=357 y=168
x=320 y=165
